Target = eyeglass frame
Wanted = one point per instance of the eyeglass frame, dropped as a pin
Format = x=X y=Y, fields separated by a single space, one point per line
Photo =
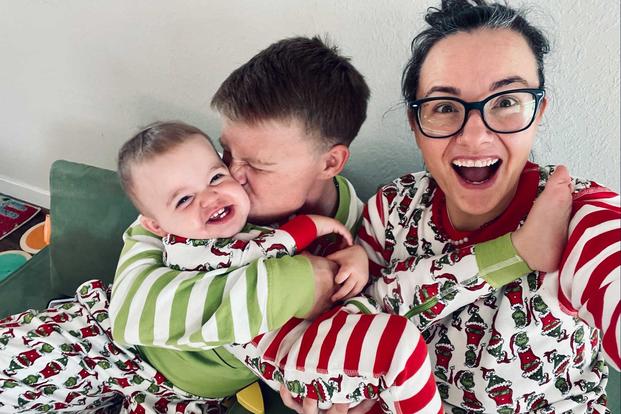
x=415 y=105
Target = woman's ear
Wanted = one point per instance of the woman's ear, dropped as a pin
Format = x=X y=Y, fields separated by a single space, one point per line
x=413 y=127
x=411 y=120
x=152 y=225
x=542 y=108
x=334 y=160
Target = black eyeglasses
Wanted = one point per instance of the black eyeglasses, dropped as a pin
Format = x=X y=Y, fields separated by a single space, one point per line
x=504 y=112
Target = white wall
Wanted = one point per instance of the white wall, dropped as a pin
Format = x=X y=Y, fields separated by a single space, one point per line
x=77 y=77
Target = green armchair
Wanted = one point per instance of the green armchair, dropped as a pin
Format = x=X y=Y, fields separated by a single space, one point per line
x=89 y=214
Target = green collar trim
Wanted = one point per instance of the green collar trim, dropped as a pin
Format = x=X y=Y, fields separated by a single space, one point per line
x=344 y=199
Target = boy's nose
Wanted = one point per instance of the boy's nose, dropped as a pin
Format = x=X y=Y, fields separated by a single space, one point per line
x=238 y=172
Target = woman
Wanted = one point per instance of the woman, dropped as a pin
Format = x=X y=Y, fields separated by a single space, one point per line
x=474 y=87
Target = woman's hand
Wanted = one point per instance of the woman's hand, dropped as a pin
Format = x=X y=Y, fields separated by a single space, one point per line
x=541 y=240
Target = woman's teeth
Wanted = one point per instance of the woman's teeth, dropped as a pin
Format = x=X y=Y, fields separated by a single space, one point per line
x=475 y=163
x=476 y=171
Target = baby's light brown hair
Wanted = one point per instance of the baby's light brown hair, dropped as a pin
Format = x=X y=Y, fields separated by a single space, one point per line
x=154 y=140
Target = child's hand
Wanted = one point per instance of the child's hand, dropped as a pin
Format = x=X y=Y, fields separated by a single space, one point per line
x=326 y=225
x=541 y=240
x=324 y=271
x=353 y=273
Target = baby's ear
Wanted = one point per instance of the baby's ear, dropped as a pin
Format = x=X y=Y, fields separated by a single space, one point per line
x=152 y=225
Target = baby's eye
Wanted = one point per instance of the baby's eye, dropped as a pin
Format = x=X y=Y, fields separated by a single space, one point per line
x=183 y=201
x=216 y=177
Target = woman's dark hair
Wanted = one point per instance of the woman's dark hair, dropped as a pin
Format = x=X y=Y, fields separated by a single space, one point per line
x=464 y=16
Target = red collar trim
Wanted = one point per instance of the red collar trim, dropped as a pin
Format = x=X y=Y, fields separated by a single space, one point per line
x=508 y=221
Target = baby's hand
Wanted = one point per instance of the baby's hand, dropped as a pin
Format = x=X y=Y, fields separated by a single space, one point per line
x=541 y=240
x=353 y=273
x=326 y=225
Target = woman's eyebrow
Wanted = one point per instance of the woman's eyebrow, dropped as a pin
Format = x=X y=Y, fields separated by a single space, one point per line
x=445 y=89
x=508 y=81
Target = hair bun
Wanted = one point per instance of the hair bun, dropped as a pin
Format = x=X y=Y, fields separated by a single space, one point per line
x=445 y=15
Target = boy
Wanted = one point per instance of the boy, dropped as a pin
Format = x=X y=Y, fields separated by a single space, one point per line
x=274 y=155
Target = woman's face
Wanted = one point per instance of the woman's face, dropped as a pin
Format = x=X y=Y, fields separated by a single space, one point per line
x=472 y=66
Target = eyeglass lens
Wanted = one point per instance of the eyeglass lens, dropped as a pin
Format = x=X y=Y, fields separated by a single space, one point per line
x=504 y=113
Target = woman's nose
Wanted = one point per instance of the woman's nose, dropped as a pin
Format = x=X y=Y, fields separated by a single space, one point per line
x=474 y=132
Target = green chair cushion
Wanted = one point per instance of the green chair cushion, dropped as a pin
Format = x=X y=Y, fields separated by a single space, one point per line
x=89 y=213
x=28 y=287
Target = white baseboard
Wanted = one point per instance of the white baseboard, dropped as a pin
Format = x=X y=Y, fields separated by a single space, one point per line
x=23 y=191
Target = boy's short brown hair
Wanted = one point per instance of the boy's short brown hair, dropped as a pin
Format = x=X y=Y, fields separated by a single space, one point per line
x=155 y=139
x=298 y=78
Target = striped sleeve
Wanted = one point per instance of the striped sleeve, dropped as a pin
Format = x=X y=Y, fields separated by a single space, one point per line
x=589 y=275
x=153 y=305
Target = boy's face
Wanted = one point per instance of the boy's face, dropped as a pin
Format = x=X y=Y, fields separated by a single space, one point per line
x=279 y=166
x=189 y=192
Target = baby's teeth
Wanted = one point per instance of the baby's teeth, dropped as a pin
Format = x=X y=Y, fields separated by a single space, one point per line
x=218 y=213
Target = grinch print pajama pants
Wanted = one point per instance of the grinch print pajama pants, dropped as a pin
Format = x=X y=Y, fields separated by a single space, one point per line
x=63 y=360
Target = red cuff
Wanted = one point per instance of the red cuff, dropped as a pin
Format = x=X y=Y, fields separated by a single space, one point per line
x=302 y=229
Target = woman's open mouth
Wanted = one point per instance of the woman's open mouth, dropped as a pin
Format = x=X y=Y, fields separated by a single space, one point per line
x=476 y=171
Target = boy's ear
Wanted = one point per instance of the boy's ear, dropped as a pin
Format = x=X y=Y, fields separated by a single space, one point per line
x=152 y=225
x=334 y=160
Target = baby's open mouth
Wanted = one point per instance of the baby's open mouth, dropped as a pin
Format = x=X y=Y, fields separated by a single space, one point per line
x=220 y=214
x=476 y=171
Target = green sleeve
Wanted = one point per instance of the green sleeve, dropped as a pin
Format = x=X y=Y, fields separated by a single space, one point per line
x=291 y=289
x=499 y=262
